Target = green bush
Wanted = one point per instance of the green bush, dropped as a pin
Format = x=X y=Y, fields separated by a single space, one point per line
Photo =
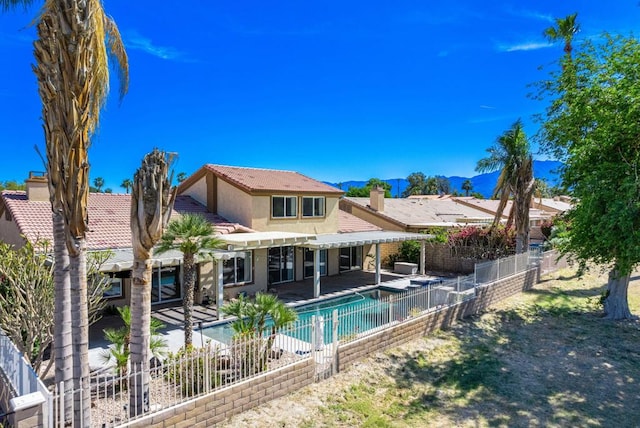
x=189 y=369
x=410 y=251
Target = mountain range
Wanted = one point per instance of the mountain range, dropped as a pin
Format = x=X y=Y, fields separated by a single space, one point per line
x=482 y=183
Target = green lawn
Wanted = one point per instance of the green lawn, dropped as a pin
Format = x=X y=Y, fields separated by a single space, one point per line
x=541 y=359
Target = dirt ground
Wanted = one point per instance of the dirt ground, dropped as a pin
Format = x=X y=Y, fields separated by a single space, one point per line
x=542 y=358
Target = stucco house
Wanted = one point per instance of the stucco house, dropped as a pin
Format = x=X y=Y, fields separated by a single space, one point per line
x=300 y=230
x=278 y=227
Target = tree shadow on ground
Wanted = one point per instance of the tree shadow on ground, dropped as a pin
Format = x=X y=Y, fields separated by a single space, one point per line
x=527 y=367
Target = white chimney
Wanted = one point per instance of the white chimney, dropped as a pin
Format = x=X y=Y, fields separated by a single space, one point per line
x=37 y=187
x=376 y=198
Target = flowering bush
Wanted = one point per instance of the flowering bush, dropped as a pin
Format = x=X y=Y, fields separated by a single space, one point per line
x=483 y=242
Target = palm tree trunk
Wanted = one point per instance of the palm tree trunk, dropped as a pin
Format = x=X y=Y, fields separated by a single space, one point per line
x=521 y=204
x=140 y=335
x=62 y=347
x=616 y=305
x=80 y=334
x=187 y=302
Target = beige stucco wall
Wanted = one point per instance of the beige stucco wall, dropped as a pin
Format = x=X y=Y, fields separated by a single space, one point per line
x=262 y=221
x=234 y=204
x=366 y=215
x=198 y=191
x=9 y=232
x=333 y=261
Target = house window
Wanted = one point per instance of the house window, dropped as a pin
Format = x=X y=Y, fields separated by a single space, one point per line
x=115 y=289
x=313 y=206
x=350 y=258
x=284 y=206
x=237 y=270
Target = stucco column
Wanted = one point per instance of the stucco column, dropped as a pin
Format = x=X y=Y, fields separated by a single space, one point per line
x=316 y=272
x=220 y=288
x=423 y=257
x=377 y=264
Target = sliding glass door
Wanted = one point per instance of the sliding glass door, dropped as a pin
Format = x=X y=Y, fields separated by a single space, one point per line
x=281 y=264
x=165 y=284
x=308 y=262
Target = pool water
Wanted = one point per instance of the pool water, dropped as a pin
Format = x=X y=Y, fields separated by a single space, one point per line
x=365 y=317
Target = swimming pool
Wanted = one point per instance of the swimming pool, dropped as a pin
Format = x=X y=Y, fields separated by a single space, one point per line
x=365 y=315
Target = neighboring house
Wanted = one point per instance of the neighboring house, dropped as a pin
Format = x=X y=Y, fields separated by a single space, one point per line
x=414 y=214
x=301 y=232
x=554 y=206
x=538 y=212
x=27 y=215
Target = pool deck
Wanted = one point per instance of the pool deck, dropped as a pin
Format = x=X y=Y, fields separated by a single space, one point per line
x=293 y=294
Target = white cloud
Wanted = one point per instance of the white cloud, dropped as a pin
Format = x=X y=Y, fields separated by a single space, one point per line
x=533 y=15
x=526 y=46
x=133 y=40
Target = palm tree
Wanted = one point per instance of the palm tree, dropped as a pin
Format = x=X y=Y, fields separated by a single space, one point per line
x=467 y=187
x=73 y=92
x=152 y=201
x=565 y=29
x=127 y=184
x=181 y=177
x=512 y=155
x=120 y=339
x=98 y=182
x=253 y=317
x=191 y=234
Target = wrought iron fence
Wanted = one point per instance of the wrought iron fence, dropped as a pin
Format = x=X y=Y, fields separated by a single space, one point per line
x=201 y=371
x=498 y=269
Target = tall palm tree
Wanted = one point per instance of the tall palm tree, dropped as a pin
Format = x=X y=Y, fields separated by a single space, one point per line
x=565 y=29
x=191 y=234
x=152 y=200
x=98 y=182
x=73 y=92
x=467 y=187
x=511 y=155
x=127 y=184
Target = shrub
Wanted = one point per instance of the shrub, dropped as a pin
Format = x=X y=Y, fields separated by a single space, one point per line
x=196 y=370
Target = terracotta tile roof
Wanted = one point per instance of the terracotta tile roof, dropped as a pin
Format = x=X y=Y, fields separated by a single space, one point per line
x=109 y=215
x=270 y=180
x=348 y=223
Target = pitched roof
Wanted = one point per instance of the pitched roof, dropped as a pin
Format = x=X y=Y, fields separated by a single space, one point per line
x=109 y=218
x=348 y=223
x=413 y=212
x=490 y=206
x=270 y=180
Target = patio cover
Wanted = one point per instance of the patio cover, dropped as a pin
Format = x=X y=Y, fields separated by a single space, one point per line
x=251 y=241
x=122 y=259
x=340 y=240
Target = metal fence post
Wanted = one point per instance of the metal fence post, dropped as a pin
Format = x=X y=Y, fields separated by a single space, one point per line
x=334 y=319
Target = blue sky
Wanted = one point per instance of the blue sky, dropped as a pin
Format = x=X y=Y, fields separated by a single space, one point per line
x=337 y=90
